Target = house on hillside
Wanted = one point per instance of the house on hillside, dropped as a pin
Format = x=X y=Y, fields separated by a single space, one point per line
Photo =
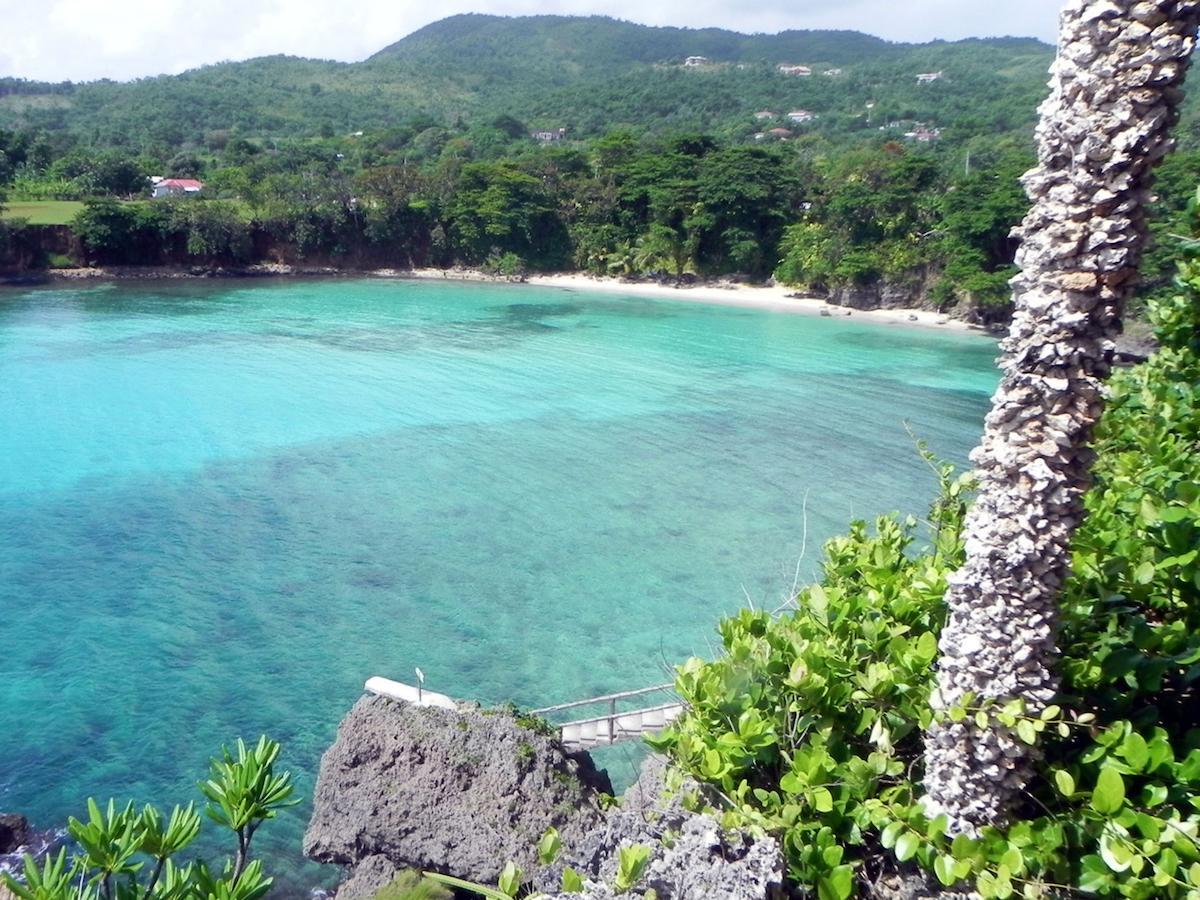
x=926 y=77
x=693 y=61
x=802 y=71
x=176 y=187
x=923 y=133
x=832 y=73
x=779 y=133
x=764 y=114
x=799 y=116
x=546 y=137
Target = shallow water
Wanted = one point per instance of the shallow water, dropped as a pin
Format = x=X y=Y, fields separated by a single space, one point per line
x=223 y=506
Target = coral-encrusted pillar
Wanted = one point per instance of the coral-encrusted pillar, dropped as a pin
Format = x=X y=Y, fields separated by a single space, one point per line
x=1114 y=94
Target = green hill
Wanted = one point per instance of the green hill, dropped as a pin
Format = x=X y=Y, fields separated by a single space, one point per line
x=585 y=74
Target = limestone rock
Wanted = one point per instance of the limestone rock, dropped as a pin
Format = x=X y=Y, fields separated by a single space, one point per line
x=458 y=792
x=692 y=857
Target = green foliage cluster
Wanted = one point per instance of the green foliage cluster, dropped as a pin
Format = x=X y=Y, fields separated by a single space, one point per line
x=809 y=724
x=150 y=233
x=127 y=854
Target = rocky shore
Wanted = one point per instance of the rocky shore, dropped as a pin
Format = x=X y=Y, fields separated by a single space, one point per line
x=465 y=792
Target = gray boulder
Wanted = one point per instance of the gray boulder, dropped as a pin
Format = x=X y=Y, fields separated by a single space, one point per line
x=457 y=792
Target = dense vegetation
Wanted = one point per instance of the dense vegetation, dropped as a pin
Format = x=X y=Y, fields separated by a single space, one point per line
x=122 y=853
x=810 y=724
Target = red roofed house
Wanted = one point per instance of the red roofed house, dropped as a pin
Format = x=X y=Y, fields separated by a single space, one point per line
x=177 y=187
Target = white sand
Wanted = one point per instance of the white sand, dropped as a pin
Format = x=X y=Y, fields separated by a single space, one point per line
x=776 y=298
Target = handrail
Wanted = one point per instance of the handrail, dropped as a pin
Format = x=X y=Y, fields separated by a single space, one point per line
x=610 y=716
x=606 y=697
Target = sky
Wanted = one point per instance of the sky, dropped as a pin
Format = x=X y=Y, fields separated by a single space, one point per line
x=79 y=40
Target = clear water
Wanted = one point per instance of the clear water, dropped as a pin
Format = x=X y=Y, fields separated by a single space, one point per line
x=223 y=506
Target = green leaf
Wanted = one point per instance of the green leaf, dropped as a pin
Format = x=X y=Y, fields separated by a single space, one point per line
x=1094 y=876
x=1026 y=731
x=943 y=868
x=838 y=884
x=907 y=845
x=1109 y=794
x=474 y=887
x=572 y=881
x=1115 y=850
x=1135 y=751
x=510 y=879
x=1144 y=573
x=549 y=846
x=890 y=833
x=1064 y=782
x=822 y=800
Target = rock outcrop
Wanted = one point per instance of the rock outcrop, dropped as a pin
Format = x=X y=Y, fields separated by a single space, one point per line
x=881 y=294
x=691 y=856
x=464 y=792
x=14 y=832
x=457 y=792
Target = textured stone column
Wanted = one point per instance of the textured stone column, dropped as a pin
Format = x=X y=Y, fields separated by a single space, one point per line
x=1114 y=94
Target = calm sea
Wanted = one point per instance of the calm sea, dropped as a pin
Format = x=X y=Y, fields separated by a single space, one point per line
x=224 y=505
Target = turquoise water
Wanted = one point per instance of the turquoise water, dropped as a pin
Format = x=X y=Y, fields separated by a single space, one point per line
x=224 y=505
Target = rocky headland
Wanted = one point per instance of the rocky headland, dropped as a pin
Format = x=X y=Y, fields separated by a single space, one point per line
x=464 y=792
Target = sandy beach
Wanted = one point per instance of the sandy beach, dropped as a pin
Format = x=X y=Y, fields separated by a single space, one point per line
x=775 y=298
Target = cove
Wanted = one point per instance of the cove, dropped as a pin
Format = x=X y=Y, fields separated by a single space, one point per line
x=224 y=505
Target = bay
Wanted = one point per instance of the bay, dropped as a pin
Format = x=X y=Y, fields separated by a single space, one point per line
x=224 y=505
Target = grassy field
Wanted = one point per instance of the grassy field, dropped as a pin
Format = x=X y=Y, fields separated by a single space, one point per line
x=42 y=212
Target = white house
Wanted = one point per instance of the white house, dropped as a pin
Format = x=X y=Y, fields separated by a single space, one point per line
x=801 y=115
x=802 y=71
x=177 y=187
x=547 y=137
x=693 y=61
x=926 y=77
x=764 y=114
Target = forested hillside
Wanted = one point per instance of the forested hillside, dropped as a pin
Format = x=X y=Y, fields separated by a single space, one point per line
x=582 y=74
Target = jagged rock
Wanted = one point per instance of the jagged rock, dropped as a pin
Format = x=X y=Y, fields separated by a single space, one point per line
x=369 y=877
x=692 y=857
x=458 y=792
x=14 y=832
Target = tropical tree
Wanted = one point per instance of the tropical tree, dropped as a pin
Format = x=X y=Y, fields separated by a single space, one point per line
x=1114 y=95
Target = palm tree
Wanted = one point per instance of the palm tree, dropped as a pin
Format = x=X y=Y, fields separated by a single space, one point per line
x=1114 y=96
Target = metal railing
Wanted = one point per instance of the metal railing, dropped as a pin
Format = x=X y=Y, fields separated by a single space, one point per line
x=609 y=721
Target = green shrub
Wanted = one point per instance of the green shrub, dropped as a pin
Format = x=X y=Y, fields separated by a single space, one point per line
x=126 y=854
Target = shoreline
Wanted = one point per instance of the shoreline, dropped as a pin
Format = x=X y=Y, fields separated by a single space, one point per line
x=772 y=298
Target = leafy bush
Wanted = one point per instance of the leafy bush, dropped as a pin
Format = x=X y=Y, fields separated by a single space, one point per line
x=809 y=725
x=126 y=854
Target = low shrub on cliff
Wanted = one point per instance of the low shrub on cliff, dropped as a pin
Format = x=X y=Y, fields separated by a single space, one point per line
x=127 y=854
x=810 y=724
